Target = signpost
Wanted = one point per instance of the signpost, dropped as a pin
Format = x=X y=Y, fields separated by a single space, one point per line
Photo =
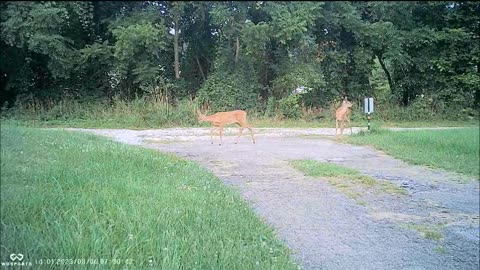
x=368 y=105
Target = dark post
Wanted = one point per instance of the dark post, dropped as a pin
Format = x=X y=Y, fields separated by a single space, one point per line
x=368 y=118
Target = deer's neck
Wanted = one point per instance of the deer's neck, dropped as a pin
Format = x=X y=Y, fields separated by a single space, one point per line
x=209 y=118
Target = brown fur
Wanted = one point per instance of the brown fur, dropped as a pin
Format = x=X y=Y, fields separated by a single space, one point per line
x=220 y=119
x=342 y=114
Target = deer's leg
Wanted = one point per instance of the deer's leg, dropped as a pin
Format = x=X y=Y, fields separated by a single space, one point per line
x=221 y=131
x=342 y=126
x=350 y=126
x=251 y=133
x=211 y=134
x=240 y=134
x=336 y=127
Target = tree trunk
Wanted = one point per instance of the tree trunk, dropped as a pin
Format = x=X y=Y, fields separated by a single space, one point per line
x=405 y=97
x=387 y=73
x=206 y=58
x=200 y=68
x=237 y=51
x=175 y=48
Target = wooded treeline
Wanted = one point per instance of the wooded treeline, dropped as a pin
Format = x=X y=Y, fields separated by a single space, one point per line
x=248 y=54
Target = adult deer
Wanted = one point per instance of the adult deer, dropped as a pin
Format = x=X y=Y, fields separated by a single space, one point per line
x=342 y=114
x=220 y=119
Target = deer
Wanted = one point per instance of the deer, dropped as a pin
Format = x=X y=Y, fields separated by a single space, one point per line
x=220 y=119
x=342 y=114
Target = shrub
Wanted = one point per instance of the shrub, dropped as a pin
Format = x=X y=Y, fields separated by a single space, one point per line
x=223 y=92
x=290 y=106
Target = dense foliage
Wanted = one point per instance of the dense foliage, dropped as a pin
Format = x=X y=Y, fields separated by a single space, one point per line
x=244 y=55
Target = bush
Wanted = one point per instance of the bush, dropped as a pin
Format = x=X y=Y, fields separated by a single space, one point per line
x=223 y=92
x=423 y=108
x=271 y=107
x=290 y=106
x=146 y=111
x=306 y=75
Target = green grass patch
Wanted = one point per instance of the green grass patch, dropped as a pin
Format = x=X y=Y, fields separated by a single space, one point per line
x=349 y=181
x=321 y=169
x=440 y=249
x=69 y=195
x=454 y=150
x=430 y=124
x=432 y=232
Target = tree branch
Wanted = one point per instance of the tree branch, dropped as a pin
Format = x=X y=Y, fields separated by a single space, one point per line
x=387 y=73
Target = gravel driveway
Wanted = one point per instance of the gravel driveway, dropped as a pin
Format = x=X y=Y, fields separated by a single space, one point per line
x=435 y=225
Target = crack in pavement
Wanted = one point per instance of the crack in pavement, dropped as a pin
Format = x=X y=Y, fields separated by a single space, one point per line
x=322 y=225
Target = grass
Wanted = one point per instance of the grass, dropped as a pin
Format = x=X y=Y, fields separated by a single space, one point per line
x=320 y=169
x=347 y=180
x=139 y=113
x=424 y=123
x=432 y=232
x=68 y=195
x=153 y=112
x=454 y=150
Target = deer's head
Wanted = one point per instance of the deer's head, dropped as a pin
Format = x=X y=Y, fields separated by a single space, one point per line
x=346 y=103
x=201 y=116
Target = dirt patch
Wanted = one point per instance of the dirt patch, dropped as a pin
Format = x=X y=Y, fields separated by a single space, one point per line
x=323 y=226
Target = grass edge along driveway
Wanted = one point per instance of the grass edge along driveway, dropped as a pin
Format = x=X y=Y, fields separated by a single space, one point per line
x=451 y=149
x=78 y=197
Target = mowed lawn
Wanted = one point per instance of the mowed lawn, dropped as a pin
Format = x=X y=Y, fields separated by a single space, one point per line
x=74 y=196
x=452 y=149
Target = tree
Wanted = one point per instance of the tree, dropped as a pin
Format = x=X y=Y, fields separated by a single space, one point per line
x=176 y=10
x=241 y=54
